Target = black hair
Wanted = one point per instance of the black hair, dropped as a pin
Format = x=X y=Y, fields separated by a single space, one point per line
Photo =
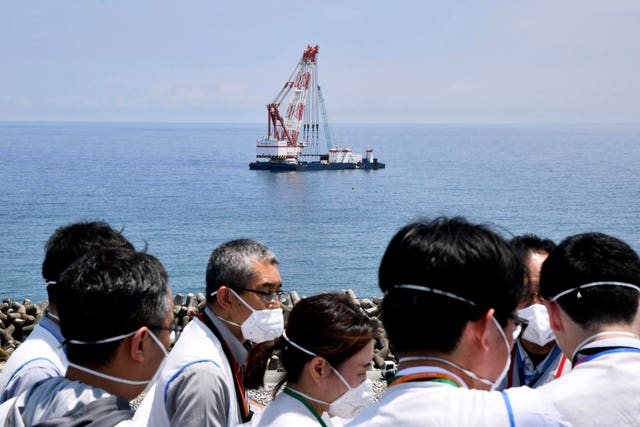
x=70 y=242
x=524 y=246
x=587 y=258
x=107 y=293
x=450 y=255
x=330 y=325
x=231 y=264
x=526 y=243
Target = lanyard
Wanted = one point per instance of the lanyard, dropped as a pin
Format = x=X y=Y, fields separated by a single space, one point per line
x=302 y=400
x=438 y=377
x=515 y=357
x=603 y=351
x=238 y=383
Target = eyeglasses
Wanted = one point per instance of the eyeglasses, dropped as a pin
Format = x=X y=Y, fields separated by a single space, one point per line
x=267 y=296
x=173 y=330
x=520 y=326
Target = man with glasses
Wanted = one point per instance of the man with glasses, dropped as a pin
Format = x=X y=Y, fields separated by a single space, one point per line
x=201 y=383
x=115 y=311
x=591 y=287
x=451 y=289
x=536 y=359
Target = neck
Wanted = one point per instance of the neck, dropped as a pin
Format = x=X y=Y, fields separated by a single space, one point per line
x=461 y=362
x=537 y=350
x=126 y=391
x=593 y=335
x=52 y=309
x=225 y=316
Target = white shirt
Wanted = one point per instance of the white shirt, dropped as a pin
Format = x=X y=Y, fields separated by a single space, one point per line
x=39 y=357
x=602 y=390
x=195 y=386
x=286 y=410
x=431 y=403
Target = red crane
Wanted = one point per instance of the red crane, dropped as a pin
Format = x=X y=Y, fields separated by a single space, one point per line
x=288 y=127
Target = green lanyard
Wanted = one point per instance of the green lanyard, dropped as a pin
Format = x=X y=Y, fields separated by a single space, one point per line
x=301 y=399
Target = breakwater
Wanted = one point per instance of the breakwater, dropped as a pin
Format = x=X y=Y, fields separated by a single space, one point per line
x=17 y=320
x=186 y=307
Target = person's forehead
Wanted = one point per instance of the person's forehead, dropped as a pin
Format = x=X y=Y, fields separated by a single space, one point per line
x=266 y=274
x=534 y=262
x=361 y=359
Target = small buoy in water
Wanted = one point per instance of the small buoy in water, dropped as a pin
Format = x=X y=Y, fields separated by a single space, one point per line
x=353 y=188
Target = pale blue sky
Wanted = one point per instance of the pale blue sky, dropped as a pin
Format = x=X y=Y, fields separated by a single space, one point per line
x=467 y=61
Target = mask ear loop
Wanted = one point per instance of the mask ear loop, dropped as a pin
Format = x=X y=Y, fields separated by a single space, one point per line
x=108 y=377
x=470 y=373
x=592 y=284
x=304 y=350
x=344 y=381
x=240 y=298
x=107 y=340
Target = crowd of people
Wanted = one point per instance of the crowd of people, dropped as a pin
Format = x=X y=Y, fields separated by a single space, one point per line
x=487 y=332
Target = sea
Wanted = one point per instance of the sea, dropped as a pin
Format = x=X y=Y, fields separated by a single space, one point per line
x=180 y=190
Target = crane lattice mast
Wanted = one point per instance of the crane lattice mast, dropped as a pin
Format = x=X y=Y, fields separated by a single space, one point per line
x=288 y=127
x=325 y=120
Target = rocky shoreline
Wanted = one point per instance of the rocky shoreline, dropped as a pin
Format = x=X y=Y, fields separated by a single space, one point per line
x=17 y=320
x=186 y=307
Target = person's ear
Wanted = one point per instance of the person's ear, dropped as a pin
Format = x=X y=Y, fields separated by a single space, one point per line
x=317 y=368
x=138 y=342
x=224 y=298
x=480 y=330
x=555 y=317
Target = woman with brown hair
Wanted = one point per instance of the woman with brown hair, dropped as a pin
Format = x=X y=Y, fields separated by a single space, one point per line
x=325 y=352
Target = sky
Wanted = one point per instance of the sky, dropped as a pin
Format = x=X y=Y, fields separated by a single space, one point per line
x=423 y=61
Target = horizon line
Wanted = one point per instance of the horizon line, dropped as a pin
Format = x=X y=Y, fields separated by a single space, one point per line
x=2 y=121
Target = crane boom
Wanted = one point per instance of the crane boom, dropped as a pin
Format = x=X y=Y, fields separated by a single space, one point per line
x=325 y=120
x=288 y=127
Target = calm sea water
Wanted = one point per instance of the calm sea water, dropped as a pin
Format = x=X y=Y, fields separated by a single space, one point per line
x=184 y=189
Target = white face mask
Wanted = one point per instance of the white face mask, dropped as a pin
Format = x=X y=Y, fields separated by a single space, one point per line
x=538 y=331
x=505 y=370
x=261 y=325
x=353 y=401
x=111 y=377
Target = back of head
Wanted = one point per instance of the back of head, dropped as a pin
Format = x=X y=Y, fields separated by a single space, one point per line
x=231 y=264
x=108 y=293
x=330 y=325
x=589 y=258
x=70 y=242
x=467 y=261
x=523 y=245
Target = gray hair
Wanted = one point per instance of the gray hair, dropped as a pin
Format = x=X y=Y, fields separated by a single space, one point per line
x=231 y=264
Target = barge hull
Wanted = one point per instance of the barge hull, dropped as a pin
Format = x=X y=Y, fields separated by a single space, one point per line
x=314 y=166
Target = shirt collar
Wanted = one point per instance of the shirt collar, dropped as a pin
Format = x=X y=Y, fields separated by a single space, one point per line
x=614 y=342
x=237 y=349
x=52 y=327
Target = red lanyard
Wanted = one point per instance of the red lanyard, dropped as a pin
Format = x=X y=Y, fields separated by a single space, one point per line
x=514 y=362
